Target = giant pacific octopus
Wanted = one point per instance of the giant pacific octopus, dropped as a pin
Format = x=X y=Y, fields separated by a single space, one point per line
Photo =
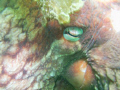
x=35 y=55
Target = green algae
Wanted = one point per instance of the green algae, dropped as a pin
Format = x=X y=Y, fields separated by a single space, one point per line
x=2 y=4
x=59 y=9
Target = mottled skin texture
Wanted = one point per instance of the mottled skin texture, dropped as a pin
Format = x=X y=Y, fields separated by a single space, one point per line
x=33 y=57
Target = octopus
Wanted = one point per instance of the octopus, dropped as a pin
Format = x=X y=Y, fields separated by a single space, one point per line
x=49 y=45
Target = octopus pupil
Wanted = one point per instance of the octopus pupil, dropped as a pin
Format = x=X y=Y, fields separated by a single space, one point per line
x=67 y=32
x=72 y=35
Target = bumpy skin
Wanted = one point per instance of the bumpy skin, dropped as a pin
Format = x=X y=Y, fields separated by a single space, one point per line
x=32 y=56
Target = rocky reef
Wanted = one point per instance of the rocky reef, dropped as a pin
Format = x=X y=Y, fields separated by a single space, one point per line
x=34 y=55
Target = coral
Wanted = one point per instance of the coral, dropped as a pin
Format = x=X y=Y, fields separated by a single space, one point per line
x=59 y=9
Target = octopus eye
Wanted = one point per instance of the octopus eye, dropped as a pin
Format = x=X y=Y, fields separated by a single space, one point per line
x=72 y=33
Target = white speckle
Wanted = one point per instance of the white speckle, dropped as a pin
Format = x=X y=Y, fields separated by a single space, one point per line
x=19 y=75
x=83 y=68
x=22 y=36
x=43 y=71
x=36 y=86
x=52 y=74
x=38 y=78
x=41 y=84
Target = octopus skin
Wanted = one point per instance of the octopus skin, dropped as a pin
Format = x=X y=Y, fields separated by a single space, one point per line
x=33 y=57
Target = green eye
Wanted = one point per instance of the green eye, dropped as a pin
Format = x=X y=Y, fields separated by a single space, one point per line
x=72 y=33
